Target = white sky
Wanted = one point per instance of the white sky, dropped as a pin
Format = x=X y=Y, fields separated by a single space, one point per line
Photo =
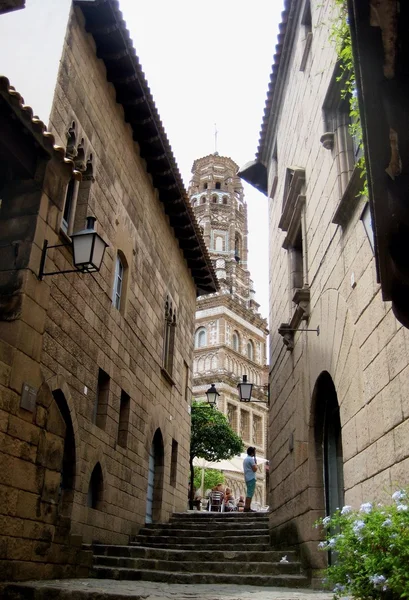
x=209 y=62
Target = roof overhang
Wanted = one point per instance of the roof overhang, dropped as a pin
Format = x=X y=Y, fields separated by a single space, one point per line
x=103 y=20
x=9 y=5
x=255 y=173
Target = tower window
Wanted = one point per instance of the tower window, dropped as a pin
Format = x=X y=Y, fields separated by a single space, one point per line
x=218 y=185
x=200 y=337
x=236 y=341
x=250 y=350
x=225 y=200
x=203 y=200
x=205 y=186
x=214 y=199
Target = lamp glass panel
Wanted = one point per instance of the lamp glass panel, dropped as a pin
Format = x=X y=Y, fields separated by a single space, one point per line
x=82 y=245
x=245 y=391
x=98 y=254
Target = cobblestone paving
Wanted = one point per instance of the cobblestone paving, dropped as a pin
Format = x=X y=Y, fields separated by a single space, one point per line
x=146 y=590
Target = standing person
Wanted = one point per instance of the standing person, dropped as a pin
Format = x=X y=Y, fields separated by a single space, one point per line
x=250 y=469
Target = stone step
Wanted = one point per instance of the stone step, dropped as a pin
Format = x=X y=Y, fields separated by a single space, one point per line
x=226 y=517
x=191 y=555
x=228 y=567
x=242 y=547
x=199 y=542
x=121 y=573
x=208 y=526
x=202 y=533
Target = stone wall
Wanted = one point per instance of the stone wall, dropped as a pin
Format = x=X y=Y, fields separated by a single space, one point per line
x=75 y=468
x=361 y=347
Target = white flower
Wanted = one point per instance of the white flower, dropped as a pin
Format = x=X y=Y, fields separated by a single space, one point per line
x=387 y=523
x=378 y=580
x=332 y=542
x=366 y=507
x=326 y=521
x=322 y=545
x=346 y=510
x=399 y=495
x=284 y=559
x=358 y=525
x=402 y=507
x=338 y=588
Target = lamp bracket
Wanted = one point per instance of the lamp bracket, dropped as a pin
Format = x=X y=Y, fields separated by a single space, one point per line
x=317 y=331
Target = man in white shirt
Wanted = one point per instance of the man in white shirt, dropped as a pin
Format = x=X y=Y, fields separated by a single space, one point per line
x=250 y=469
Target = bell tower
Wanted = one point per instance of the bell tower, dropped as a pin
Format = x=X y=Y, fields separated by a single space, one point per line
x=217 y=198
x=230 y=335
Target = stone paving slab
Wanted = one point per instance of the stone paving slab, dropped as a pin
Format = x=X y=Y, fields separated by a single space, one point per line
x=101 y=589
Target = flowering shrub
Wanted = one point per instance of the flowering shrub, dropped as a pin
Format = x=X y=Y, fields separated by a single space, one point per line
x=371 y=549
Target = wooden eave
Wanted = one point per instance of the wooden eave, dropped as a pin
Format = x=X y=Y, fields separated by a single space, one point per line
x=103 y=20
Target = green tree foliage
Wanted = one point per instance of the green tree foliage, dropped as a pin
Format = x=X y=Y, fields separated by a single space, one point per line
x=340 y=35
x=211 y=478
x=212 y=438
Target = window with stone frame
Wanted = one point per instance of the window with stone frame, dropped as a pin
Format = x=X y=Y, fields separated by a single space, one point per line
x=232 y=416
x=124 y=418
x=306 y=26
x=83 y=204
x=245 y=425
x=71 y=193
x=257 y=430
x=101 y=403
x=250 y=350
x=120 y=279
x=169 y=336
x=174 y=463
x=338 y=138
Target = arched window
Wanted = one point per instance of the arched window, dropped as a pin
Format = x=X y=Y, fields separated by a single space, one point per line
x=218 y=185
x=235 y=341
x=219 y=243
x=225 y=199
x=250 y=350
x=200 y=337
x=214 y=199
x=118 y=282
x=203 y=200
x=205 y=186
x=169 y=336
x=96 y=489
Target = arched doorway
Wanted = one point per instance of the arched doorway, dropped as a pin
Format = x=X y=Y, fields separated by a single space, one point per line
x=67 y=481
x=328 y=442
x=155 y=478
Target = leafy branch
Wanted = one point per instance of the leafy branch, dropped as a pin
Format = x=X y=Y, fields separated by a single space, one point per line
x=340 y=36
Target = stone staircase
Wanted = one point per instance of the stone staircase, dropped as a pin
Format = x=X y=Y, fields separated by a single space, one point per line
x=201 y=547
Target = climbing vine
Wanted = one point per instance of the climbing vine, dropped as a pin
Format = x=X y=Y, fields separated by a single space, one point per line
x=340 y=35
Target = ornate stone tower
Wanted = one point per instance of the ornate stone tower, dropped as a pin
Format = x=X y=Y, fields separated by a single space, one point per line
x=231 y=335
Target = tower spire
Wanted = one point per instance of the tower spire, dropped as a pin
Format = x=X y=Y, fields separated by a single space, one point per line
x=215 y=138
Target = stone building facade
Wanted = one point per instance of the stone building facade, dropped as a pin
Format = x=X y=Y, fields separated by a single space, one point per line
x=95 y=383
x=230 y=334
x=339 y=408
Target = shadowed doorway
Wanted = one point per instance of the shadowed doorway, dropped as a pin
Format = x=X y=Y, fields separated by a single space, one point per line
x=155 y=479
x=328 y=443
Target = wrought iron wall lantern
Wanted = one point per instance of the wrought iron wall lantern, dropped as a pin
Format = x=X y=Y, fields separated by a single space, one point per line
x=88 y=249
x=245 y=390
x=212 y=395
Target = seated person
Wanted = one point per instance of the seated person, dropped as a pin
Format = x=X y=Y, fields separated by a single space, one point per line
x=215 y=503
x=229 y=501
x=240 y=503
